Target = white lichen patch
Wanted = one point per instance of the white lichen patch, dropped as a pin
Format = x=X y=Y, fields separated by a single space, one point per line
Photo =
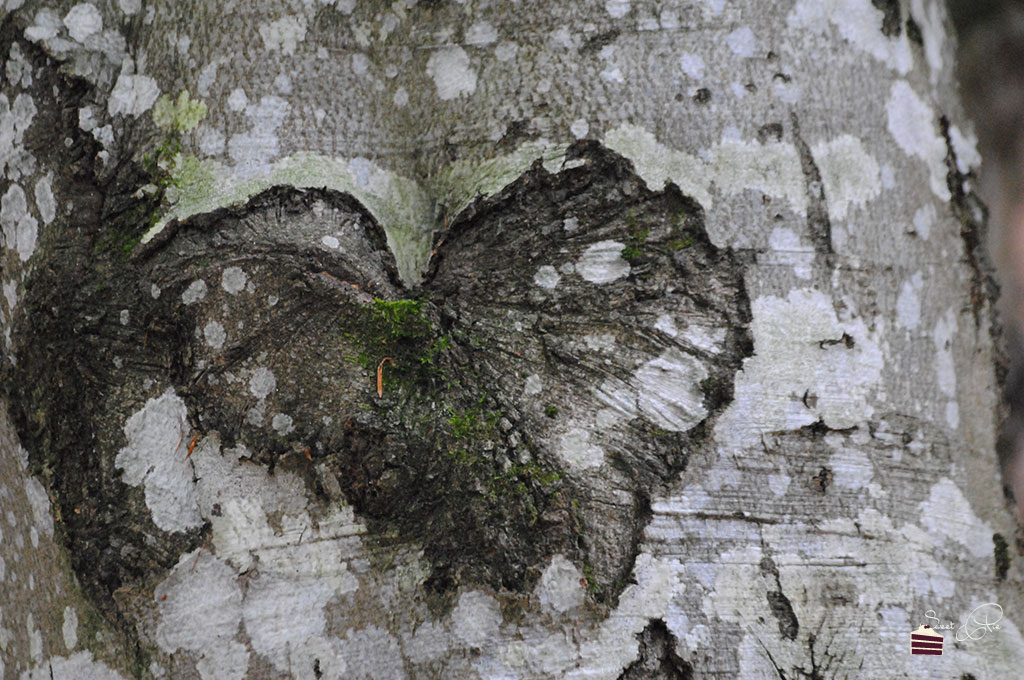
x=15 y=119
x=451 y=71
x=732 y=166
x=692 y=65
x=966 y=148
x=154 y=459
x=82 y=21
x=69 y=629
x=576 y=451
x=948 y=515
x=852 y=469
x=195 y=292
x=20 y=228
x=237 y=100
x=331 y=242
x=302 y=565
x=39 y=501
x=615 y=646
x=476 y=618
x=908 y=304
x=924 y=218
x=45 y=25
x=214 y=334
x=253 y=150
x=45 y=202
x=773 y=168
x=546 y=277
x=602 y=262
x=78 y=666
x=481 y=33
x=133 y=94
x=798 y=349
x=911 y=122
x=233 y=280
x=533 y=385
x=282 y=424
x=669 y=391
x=559 y=588
x=262 y=382
x=199 y=608
x=18 y=69
x=742 y=42
x=850 y=175
x=859 y=23
x=283 y=35
x=282 y=614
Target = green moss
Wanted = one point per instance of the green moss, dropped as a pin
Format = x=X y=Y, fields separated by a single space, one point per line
x=681 y=244
x=636 y=241
x=551 y=411
x=399 y=319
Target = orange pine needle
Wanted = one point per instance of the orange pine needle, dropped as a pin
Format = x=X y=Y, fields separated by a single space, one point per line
x=380 y=376
x=191 y=446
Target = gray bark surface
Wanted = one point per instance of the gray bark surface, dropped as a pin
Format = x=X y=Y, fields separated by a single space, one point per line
x=427 y=339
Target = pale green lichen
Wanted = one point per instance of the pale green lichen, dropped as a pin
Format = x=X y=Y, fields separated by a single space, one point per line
x=460 y=183
x=177 y=116
x=407 y=210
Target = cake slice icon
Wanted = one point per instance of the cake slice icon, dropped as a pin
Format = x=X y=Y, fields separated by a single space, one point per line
x=924 y=640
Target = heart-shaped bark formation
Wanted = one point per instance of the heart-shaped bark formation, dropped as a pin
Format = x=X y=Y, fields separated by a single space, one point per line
x=574 y=336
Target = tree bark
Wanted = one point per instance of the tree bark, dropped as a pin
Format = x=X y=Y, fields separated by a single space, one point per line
x=623 y=339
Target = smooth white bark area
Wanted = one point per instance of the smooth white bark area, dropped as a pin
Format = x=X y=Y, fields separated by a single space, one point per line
x=885 y=514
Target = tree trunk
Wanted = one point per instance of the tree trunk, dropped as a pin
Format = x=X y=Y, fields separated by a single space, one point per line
x=458 y=339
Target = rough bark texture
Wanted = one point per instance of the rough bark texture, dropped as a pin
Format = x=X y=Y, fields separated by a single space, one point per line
x=615 y=339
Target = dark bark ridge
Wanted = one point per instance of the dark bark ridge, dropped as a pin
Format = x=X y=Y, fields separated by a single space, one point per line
x=455 y=455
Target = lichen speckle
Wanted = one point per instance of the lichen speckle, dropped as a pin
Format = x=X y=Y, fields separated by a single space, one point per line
x=20 y=228
x=617 y=8
x=742 y=42
x=559 y=588
x=453 y=76
x=196 y=291
x=82 y=21
x=132 y=94
x=214 y=334
x=577 y=452
x=859 y=23
x=70 y=628
x=602 y=262
x=692 y=65
x=282 y=424
x=911 y=122
x=233 y=280
x=284 y=35
x=546 y=277
x=262 y=382
x=476 y=618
